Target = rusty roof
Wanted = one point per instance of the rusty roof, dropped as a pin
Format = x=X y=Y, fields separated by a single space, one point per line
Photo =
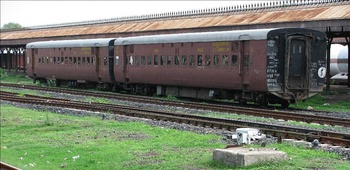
x=280 y=15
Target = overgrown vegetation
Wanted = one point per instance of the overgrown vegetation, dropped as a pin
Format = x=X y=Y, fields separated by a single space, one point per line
x=12 y=77
x=327 y=102
x=32 y=139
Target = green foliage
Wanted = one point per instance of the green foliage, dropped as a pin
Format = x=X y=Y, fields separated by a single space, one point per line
x=12 y=77
x=170 y=97
x=98 y=100
x=11 y=26
x=28 y=142
x=48 y=122
x=326 y=102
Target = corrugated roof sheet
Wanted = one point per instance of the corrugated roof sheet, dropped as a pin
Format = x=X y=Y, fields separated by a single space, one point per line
x=291 y=14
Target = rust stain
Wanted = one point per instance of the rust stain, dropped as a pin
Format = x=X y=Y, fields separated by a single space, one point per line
x=248 y=18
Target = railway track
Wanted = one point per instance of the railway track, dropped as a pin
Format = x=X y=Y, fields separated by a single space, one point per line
x=5 y=166
x=333 y=138
x=284 y=115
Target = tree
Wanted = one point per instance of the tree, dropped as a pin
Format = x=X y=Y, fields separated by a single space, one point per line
x=11 y=26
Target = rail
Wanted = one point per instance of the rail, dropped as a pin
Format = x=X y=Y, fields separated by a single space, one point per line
x=5 y=166
x=285 y=115
x=334 y=138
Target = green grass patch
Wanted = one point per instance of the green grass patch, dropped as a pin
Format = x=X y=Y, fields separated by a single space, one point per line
x=12 y=77
x=325 y=103
x=43 y=140
x=23 y=92
x=303 y=158
x=98 y=100
x=20 y=92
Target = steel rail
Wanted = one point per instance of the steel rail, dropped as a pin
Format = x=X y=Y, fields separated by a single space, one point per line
x=308 y=118
x=5 y=166
x=334 y=138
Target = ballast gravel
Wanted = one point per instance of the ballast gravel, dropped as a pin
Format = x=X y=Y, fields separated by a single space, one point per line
x=345 y=152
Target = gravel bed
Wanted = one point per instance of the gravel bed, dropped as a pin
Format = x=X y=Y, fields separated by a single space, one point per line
x=343 y=115
x=200 y=130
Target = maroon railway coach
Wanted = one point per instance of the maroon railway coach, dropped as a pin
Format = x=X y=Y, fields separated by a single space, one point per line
x=76 y=61
x=264 y=66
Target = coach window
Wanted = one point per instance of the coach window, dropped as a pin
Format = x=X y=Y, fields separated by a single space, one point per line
x=131 y=61
x=216 y=60
x=191 y=60
x=105 y=61
x=149 y=60
x=162 y=59
x=234 y=60
x=184 y=60
x=176 y=60
x=169 y=59
x=137 y=60
x=87 y=61
x=207 y=60
x=200 y=60
x=143 y=60
x=224 y=60
x=155 y=60
x=116 y=60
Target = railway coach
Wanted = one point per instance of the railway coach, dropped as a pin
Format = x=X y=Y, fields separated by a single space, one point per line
x=73 y=61
x=264 y=66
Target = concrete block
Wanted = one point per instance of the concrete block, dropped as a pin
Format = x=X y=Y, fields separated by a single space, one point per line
x=247 y=156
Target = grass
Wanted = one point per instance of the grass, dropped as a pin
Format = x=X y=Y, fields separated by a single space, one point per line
x=13 y=77
x=98 y=100
x=43 y=140
x=325 y=103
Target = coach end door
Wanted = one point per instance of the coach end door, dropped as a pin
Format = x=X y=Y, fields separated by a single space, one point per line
x=296 y=72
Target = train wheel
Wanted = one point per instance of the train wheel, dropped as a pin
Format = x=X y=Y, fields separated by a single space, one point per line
x=262 y=100
x=285 y=104
x=58 y=83
x=242 y=102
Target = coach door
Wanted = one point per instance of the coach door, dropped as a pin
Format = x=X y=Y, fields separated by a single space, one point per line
x=244 y=60
x=296 y=63
x=33 y=61
x=96 y=61
x=126 y=49
x=111 y=60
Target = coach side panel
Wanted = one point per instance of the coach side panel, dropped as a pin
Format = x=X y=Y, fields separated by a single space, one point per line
x=69 y=64
x=204 y=65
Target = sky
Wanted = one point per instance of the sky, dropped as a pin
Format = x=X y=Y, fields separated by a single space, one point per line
x=36 y=13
